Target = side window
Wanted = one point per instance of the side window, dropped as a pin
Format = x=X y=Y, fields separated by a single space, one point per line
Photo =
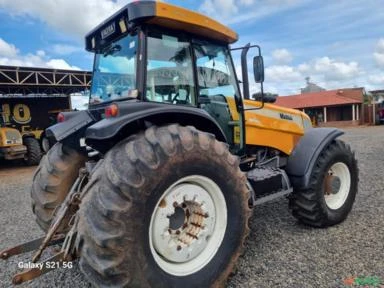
x=218 y=87
x=169 y=69
x=214 y=70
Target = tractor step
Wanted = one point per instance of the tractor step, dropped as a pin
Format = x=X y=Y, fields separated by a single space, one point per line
x=267 y=184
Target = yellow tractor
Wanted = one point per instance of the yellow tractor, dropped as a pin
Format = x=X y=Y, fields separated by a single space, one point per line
x=153 y=185
x=14 y=145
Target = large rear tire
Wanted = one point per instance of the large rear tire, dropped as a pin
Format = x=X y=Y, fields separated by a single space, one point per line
x=332 y=188
x=166 y=208
x=34 y=154
x=52 y=181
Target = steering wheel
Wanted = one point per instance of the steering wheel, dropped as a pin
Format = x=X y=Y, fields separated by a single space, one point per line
x=174 y=99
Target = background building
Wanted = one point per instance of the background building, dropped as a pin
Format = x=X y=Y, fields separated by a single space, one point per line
x=341 y=107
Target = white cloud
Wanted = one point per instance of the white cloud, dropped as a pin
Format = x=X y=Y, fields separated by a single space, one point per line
x=304 y=68
x=325 y=72
x=247 y=2
x=224 y=8
x=379 y=58
x=380 y=46
x=278 y=73
x=40 y=53
x=65 y=49
x=282 y=56
x=333 y=70
x=232 y=12
x=378 y=55
x=377 y=79
x=60 y=64
x=69 y=16
x=6 y=49
x=37 y=59
x=79 y=102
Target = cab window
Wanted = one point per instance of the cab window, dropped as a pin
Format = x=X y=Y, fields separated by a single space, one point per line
x=218 y=88
x=169 y=69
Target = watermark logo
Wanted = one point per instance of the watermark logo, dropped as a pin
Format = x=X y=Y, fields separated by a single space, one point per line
x=365 y=281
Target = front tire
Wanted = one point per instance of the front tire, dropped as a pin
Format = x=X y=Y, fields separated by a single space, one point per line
x=166 y=208
x=332 y=188
x=52 y=181
x=33 y=155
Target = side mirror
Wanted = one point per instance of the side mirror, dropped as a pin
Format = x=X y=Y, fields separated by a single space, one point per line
x=258 y=69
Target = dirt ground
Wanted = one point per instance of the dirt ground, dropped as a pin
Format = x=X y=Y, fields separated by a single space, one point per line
x=280 y=252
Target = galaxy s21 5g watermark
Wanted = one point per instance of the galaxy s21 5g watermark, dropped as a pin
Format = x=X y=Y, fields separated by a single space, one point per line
x=45 y=265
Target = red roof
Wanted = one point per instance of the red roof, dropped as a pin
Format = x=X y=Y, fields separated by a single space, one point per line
x=323 y=98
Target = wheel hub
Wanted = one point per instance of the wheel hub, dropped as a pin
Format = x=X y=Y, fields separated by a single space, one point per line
x=186 y=225
x=186 y=229
x=337 y=184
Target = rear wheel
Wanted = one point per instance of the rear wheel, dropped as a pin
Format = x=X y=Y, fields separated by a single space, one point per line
x=33 y=155
x=332 y=188
x=52 y=181
x=166 y=208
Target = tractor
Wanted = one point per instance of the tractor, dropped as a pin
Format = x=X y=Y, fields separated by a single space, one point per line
x=154 y=184
x=14 y=145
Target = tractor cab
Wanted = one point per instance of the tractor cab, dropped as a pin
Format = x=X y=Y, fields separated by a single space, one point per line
x=158 y=53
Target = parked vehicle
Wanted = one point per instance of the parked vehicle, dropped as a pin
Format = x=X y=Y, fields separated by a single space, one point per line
x=152 y=185
x=14 y=145
x=31 y=115
x=380 y=113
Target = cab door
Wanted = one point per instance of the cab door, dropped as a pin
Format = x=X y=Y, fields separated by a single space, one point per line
x=218 y=89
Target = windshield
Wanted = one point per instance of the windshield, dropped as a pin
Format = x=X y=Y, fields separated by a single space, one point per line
x=114 y=73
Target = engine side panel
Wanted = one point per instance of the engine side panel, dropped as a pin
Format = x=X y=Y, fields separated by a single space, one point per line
x=272 y=126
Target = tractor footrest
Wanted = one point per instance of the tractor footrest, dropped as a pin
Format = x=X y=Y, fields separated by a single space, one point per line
x=267 y=181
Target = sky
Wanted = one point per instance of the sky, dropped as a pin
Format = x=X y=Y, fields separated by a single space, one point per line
x=338 y=44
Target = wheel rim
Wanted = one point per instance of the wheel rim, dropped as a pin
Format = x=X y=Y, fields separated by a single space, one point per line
x=337 y=185
x=188 y=225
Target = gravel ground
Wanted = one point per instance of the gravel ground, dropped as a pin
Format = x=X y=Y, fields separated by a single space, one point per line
x=279 y=251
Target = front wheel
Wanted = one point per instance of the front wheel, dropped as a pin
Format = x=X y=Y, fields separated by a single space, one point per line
x=332 y=188
x=34 y=154
x=166 y=208
x=52 y=181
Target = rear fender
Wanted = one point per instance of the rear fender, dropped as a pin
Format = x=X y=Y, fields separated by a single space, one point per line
x=303 y=158
x=134 y=117
x=74 y=122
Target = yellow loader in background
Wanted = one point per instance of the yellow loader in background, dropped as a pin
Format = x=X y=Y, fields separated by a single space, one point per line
x=15 y=146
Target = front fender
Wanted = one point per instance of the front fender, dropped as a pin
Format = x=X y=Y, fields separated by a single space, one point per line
x=303 y=158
